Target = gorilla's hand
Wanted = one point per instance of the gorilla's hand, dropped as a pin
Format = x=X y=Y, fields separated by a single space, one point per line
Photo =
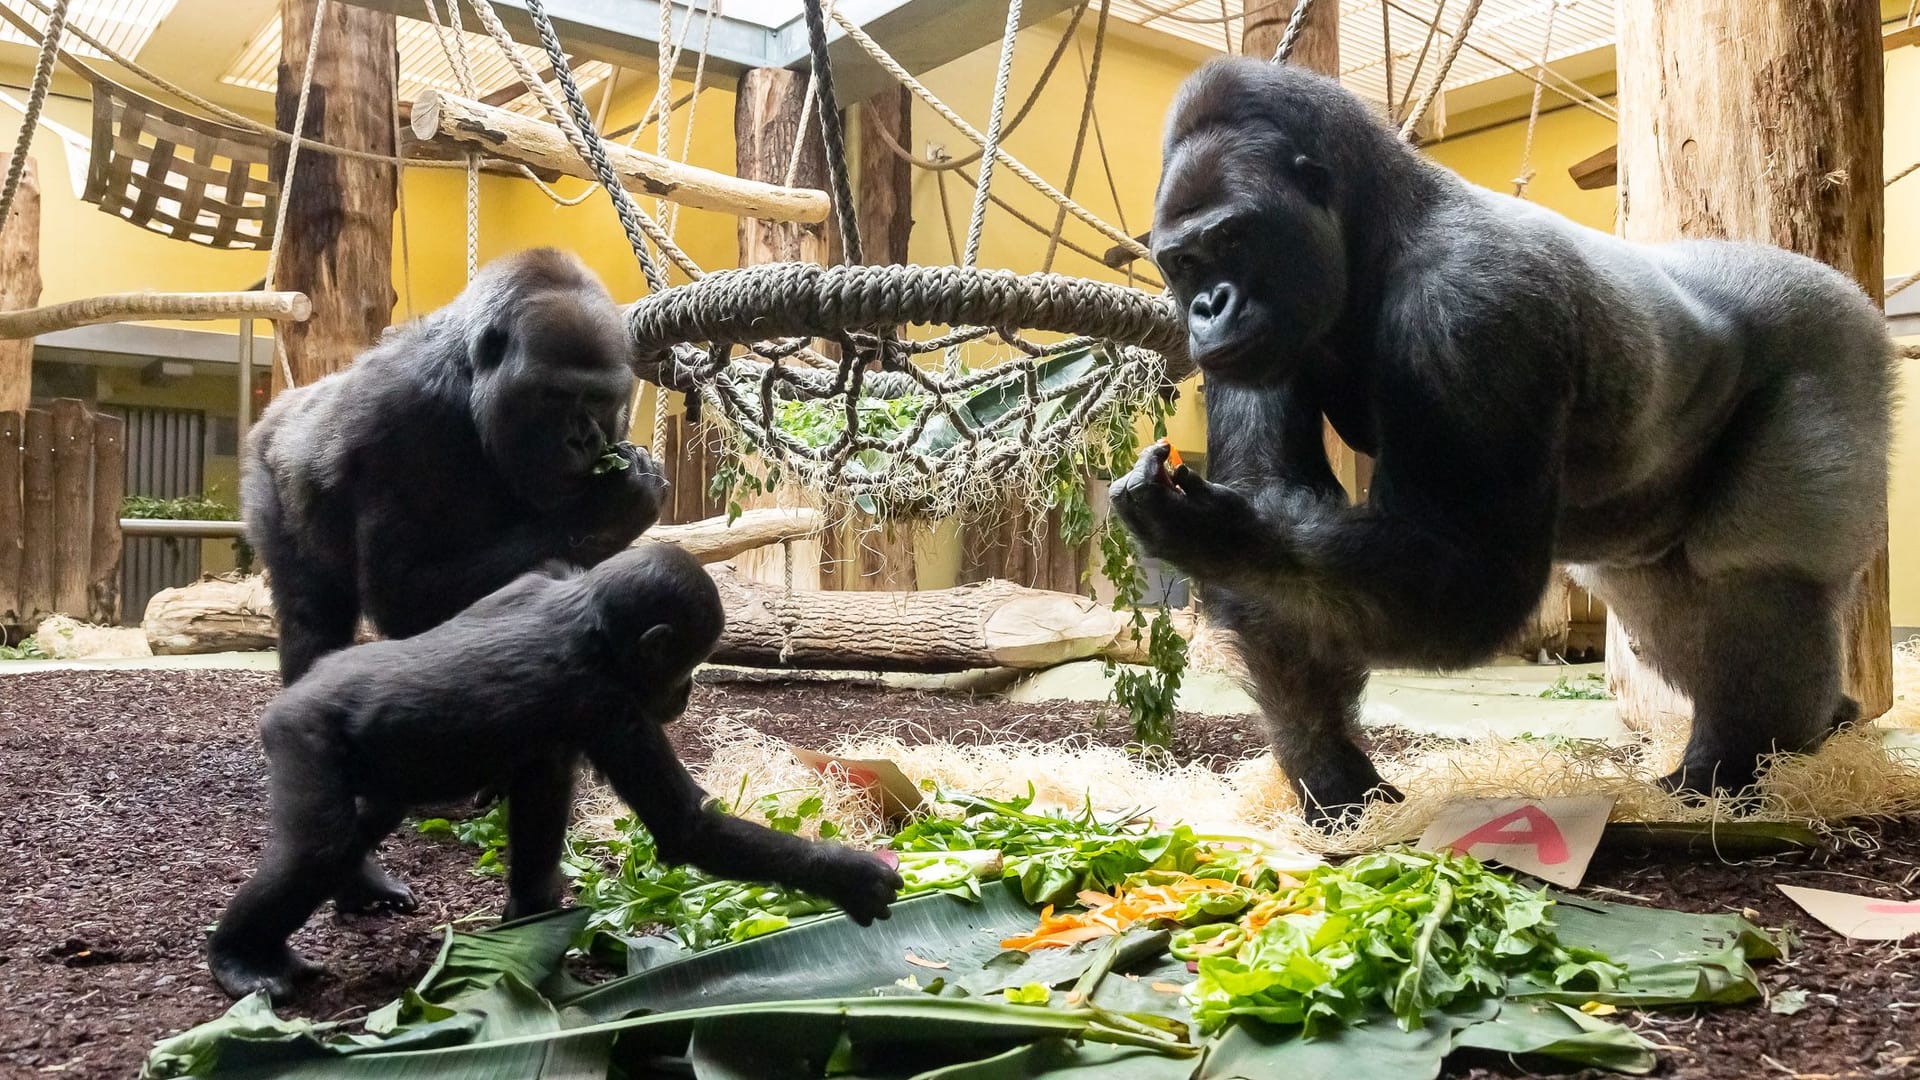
x=621 y=503
x=857 y=882
x=1177 y=516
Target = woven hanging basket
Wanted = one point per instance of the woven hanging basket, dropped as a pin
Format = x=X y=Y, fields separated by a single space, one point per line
x=179 y=175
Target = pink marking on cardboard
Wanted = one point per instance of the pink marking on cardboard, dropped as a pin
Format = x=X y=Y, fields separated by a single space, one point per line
x=1527 y=826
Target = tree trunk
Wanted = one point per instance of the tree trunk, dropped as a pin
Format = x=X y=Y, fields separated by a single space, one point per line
x=766 y=118
x=211 y=615
x=868 y=554
x=338 y=243
x=109 y=491
x=72 y=506
x=36 y=514
x=12 y=522
x=1760 y=122
x=994 y=624
x=1318 y=49
x=20 y=288
x=1551 y=622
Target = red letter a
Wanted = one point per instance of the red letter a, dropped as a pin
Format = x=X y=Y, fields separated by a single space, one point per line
x=1528 y=825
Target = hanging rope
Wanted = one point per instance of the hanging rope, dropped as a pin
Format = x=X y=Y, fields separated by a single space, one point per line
x=1439 y=82
x=1525 y=176
x=833 y=136
x=1092 y=79
x=36 y=99
x=1296 y=22
x=453 y=45
x=977 y=220
x=286 y=182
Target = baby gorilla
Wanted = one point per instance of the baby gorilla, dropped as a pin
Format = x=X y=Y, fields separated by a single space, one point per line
x=509 y=694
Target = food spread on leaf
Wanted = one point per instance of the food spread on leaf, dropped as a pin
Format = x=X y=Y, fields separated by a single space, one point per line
x=1097 y=942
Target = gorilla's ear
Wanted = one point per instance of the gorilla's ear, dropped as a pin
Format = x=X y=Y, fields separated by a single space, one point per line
x=1314 y=180
x=657 y=636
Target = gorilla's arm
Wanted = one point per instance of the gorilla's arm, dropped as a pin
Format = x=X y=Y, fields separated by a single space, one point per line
x=638 y=761
x=1455 y=543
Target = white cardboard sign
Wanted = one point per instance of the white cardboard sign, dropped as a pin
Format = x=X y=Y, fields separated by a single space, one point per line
x=879 y=777
x=1863 y=918
x=1552 y=839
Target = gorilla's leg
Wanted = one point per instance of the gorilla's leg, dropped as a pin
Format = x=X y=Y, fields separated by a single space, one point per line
x=1310 y=700
x=539 y=802
x=368 y=887
x=313 y=847
x=1758 y=654
x=315 y=616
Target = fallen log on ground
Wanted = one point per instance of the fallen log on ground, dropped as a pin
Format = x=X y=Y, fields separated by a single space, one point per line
x=985 y=625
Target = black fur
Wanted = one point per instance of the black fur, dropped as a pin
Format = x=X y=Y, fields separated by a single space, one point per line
x=557 y=665
x=1701 y=427
x=454 y=455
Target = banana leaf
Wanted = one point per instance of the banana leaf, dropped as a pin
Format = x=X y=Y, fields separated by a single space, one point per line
x=996 y=400
x=1671 y=957
x=1556 y=1031
x=1375 y=1050
x=828 y=958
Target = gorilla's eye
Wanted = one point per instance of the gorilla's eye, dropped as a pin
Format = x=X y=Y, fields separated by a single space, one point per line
x=1180 y=264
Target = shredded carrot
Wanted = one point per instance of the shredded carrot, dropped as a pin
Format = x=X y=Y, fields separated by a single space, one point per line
x=1173 y=454
x=1115 y=913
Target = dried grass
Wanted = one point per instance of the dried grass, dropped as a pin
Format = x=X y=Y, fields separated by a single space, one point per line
x=1852 y=777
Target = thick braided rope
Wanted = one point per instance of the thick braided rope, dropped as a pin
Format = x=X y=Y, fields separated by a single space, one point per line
x=779 y=300
x=833 y=135
x=36 y=98
x=1439 y=82
x=453 y=45
x=1291 y=36
x=589 y=146
x=1080 y=135
x=1002 y=75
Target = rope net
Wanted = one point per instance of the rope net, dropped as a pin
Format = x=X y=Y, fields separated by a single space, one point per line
x=812 y=368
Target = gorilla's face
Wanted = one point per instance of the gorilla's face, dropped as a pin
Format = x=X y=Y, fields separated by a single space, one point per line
x=551 y=392
x=1246 y=233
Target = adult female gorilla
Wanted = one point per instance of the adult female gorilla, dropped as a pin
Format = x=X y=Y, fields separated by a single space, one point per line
x=1701 y=427
x=454 y=455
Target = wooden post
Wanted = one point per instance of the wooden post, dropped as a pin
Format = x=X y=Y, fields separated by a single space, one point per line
x=338 y=243
x=72 y=506
x=869 y=555
x=11 y=525
x=766 y=118
x=20 y=287
x=109 y=491
x=1759 y=122
x=36 y=531
x=1318 y=49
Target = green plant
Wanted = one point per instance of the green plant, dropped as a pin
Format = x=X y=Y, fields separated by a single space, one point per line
x=206 y=507
x=1590 y=688
x=28 y=649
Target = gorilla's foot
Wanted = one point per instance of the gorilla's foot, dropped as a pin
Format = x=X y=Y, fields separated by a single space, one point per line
x=372 y=889
x=275 y=972
x=1700 y=779
x=1332 y=806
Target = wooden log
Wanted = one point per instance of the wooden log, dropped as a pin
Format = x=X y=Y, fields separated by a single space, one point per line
x=72 y=505
x=1762 y=122
x=713 y=540
x=766 y=120
x=1548 y=628
x=127 y=307
x=36 y=513
x=11 y=525
x=19 y=288
x=537 y=143
x=109 y=491
x=991 y=624
x=337 y=246
x=220 y=614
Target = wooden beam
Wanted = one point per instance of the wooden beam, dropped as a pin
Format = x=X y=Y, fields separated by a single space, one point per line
x=12 y=522
x=130 y=307
x=72 y=506
x=1906 y=35
x=1783 y=145
x=109 y=491
x=1599 y=171
x=337 y=246
x=508 y=135
x=19 y=288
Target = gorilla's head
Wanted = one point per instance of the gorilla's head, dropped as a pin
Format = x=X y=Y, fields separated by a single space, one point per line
x=548 y=356
x=660 y=614
x=1251 y=223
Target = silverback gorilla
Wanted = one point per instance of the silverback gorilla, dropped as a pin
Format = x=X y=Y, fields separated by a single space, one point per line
x=593 y=664
x=457 y=453
x=1700 y=427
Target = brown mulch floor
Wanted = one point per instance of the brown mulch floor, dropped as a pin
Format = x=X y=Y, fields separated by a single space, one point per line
x=131 y=805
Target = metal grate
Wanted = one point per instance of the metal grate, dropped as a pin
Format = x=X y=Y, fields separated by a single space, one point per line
x=423 y=64
x=166 y=458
